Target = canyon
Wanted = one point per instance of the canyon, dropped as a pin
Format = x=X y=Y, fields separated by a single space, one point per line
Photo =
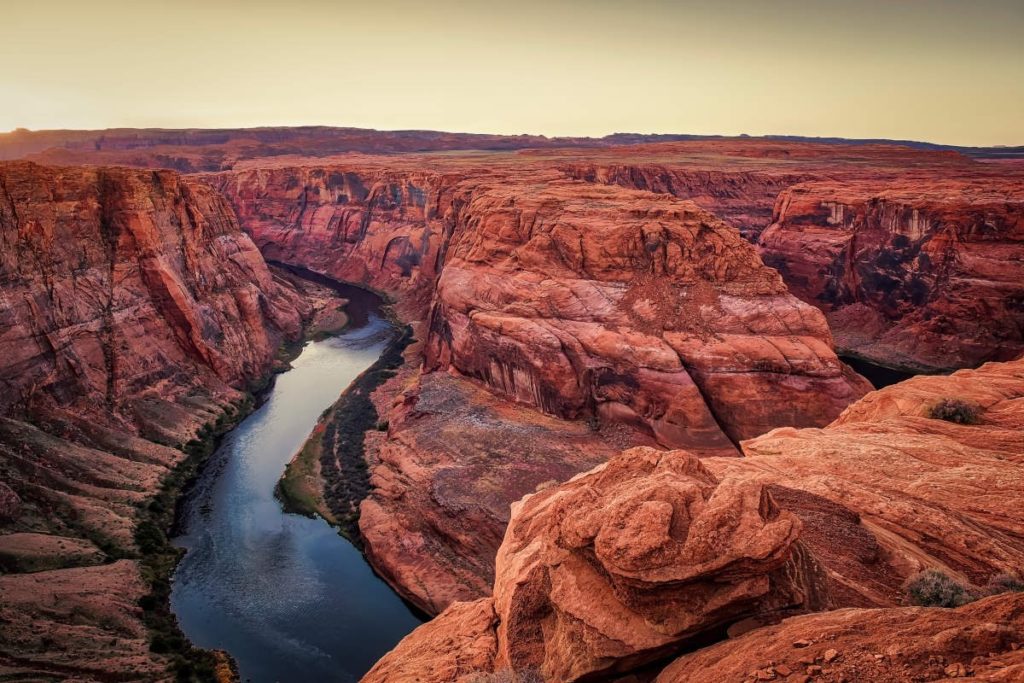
x=622 y=426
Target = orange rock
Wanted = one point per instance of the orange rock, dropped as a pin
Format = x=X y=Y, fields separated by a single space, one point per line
x=618 y=567
x=924 y=637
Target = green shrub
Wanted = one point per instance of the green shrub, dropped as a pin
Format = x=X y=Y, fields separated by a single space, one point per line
x=956 y=410
x=932 y=588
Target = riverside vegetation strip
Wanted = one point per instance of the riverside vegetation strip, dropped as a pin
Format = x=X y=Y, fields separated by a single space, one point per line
x=333 y=459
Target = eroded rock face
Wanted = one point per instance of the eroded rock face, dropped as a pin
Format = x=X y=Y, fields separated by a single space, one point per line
x=443 y=477
x=618 y=567
x=923 y=273
x=587 y=299
x=368 y=225
x=133 y=310
x=742 y=197
x=925 y=493
x=125 y=292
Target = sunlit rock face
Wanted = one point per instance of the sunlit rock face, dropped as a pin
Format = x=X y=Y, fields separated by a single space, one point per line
x=588 y=299
x=125 y=290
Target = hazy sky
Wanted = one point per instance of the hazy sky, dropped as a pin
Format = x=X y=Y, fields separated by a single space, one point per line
x=943 y=70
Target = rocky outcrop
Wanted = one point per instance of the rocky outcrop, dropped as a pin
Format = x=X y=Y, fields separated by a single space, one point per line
x=981 y=641
x=879 y=495
x=923 y=273
x=618 y=567
x=638 y=308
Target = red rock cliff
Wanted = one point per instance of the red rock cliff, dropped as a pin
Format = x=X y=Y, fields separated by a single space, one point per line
x=124 y=291
x=925 y=273
x=576 y=298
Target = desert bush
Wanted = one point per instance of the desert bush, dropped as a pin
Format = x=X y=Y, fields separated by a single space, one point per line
x=956 y=410
x=1004 y=583
x=932 y=588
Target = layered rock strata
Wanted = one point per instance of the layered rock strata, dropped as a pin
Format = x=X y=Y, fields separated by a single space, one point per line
x=925 y=273
x=133 y=310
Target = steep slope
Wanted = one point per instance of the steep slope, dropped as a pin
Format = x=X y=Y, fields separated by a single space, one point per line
x=923 y=273
x=133 y=311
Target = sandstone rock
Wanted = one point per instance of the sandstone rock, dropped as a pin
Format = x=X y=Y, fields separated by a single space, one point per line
x=128 y=292
x=459 y=644
x=455 y=458
x=925 y=637
x=618 y=567
x=642 y=308
x=923 y=493
x=923 y=273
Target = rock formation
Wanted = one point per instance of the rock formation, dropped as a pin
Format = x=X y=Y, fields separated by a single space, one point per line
x=132 y=311
x=597 y=573
x=125 y=293
x=921 y=273
x=581 y=299
x=616 y=568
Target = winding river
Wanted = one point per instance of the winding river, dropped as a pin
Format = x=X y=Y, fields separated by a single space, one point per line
x=287 y=596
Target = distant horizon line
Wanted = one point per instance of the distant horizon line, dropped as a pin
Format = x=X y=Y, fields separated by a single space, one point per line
x=777 y=136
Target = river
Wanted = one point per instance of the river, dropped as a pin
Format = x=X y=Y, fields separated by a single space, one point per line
x=287 y=596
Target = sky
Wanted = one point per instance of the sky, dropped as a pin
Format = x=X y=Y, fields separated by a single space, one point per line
x=949 y=71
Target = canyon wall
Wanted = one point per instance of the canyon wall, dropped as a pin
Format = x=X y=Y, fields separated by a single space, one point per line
x=133 y=311
x=743 y=198
x=129 y=296
x=584 y=299
x=920 y=273
x=637 y=317
x=575 y=298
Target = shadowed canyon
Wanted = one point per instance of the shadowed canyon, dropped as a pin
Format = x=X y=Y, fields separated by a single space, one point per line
x=599 y=422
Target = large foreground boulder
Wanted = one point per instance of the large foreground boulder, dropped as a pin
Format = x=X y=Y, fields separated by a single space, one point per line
x=619 y=567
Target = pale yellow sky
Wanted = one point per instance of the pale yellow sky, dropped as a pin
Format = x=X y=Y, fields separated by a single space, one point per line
x=942 y=70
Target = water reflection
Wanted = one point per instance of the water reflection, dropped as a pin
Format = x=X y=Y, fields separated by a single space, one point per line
x=287 y=596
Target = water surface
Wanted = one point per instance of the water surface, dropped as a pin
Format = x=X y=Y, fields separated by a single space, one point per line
x=285 y=595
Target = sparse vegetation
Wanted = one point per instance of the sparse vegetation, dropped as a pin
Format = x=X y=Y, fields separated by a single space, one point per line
x=933 y=588
x=159 y=557
x=956 y=410
x=1004 y=583
x=344 y=478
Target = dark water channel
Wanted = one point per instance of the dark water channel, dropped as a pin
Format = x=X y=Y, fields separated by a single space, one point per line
x=879 y=375
x=285 y=595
